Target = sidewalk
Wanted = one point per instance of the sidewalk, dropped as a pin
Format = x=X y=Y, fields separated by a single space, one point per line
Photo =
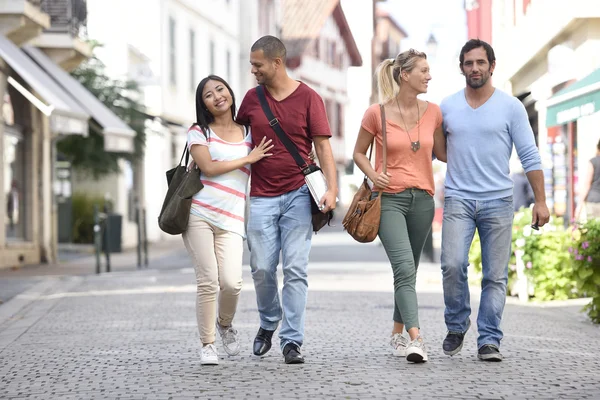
x=85 y=264
x=14 y=281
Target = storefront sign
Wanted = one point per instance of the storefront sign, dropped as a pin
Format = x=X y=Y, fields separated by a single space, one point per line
x=574 y=113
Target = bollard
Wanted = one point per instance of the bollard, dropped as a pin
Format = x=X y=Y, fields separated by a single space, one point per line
x=139 y=237
x=97 y=238
x=145 y=238
x=522 y=284
x=106 y=237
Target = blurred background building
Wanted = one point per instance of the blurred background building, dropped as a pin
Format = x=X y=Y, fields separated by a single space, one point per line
x=40 y=42
x=166 y=47
x=548 y=55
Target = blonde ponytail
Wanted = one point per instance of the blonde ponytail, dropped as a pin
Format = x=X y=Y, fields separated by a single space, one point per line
x=386 y=85
x=388 y=73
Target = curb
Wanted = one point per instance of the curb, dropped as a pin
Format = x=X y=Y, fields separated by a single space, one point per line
x=9 y=309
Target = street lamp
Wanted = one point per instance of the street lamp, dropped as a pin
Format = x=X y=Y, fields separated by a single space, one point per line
x=432 y=46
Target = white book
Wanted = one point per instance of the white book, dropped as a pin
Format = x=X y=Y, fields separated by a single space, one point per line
x=317 y=185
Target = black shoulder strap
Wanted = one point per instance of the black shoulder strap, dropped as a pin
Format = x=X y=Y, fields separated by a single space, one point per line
x=287 y=142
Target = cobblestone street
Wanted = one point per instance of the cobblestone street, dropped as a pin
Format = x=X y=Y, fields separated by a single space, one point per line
x=133 y=335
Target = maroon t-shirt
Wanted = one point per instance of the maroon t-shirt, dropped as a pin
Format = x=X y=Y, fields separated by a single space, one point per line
x=302 y=116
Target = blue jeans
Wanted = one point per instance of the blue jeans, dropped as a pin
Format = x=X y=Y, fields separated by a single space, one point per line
x=281 y=224
x=493 y=220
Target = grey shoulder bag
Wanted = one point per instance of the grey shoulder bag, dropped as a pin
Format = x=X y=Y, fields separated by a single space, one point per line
x=183 y=184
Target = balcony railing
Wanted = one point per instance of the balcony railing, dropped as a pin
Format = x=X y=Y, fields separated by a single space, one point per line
x=65 y=15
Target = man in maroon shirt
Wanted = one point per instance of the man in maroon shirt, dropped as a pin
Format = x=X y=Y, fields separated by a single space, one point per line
x=280 y=207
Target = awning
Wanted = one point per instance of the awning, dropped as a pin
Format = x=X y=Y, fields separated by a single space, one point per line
x=575 y=101
x=118 y=137
x=66 y=116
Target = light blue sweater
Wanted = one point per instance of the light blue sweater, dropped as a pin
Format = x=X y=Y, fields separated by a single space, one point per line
x=480 y=143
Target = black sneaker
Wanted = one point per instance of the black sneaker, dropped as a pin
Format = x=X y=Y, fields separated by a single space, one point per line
x=292 y=354
x=489 y=352
x=453 y=342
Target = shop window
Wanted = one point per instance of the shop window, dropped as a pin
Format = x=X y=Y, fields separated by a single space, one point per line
x=14 y=185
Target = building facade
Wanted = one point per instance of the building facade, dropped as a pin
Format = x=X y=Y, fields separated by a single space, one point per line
x=40 y=41
x=168 y=52
x=320 y=49
x=558 y=46
x=479 y=19
x=387 y=43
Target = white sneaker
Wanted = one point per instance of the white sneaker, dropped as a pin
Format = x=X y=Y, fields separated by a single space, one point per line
x=209 y=355
x=416 y=351
x=398 y=343
x=231 y=344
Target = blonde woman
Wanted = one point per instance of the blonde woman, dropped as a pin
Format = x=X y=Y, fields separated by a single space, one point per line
x=414 y=131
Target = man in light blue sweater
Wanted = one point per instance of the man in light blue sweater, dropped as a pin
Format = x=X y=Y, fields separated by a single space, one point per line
x=481 y=125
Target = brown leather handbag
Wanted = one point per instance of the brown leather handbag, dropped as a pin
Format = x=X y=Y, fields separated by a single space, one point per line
x=363 y=216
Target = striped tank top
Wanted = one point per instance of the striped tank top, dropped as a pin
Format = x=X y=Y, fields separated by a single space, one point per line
x=222 y=201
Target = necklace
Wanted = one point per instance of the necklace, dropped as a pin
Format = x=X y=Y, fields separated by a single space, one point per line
x=413 y=145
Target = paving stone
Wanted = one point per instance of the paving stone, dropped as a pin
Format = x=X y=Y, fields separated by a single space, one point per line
x=134 y=336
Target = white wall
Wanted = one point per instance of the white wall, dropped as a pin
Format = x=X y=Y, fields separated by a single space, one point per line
x=209 y=24
x=113 y=25
x=358 y=81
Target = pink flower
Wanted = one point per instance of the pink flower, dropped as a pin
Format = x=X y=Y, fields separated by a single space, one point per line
x=579 y=257
x=570 y=249
x=513 y=267
x=589 y=258
x=585 y=245
x=529 y=265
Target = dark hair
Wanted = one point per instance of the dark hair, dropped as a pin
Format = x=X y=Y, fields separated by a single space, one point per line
x=203 y=116
x=475 y=44
x=271 y=46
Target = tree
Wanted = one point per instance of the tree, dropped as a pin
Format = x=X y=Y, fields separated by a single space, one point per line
x=87 y=153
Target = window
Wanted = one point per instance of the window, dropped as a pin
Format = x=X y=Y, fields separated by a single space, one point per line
x=192 y=61
x=14 y=185
x=264 y=17
x=340 y=120
x=228 y=66
x=331 y=55
x=212 y=57
x=331 y=117
x=172 y=52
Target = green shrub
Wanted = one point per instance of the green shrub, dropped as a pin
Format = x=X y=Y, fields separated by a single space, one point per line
x=585 y=257
x=545 y=256
x=83 y=216
x=548 y=263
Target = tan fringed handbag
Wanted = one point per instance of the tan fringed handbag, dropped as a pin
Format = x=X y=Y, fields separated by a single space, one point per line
x=363 y=216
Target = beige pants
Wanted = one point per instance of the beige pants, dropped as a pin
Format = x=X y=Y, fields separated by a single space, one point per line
x=217 y=256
